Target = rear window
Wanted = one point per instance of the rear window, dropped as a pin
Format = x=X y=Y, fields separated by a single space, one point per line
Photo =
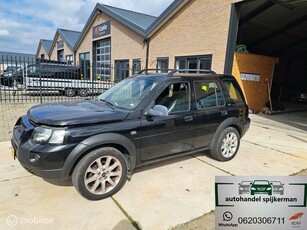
x=235 y=93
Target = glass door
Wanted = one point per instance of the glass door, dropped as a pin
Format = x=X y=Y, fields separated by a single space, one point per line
x=85 y=65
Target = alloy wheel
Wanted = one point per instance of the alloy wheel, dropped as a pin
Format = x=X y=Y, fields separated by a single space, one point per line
x=102 y=175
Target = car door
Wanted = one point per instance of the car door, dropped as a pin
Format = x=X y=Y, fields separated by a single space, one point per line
x=210 y=111
x=167 y=135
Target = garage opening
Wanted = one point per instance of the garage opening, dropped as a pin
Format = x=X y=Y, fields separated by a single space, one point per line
x=276 y=28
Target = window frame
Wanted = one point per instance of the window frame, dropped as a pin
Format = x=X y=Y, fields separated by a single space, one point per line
x=198 y=57
x=159 y=59
x=136 y=60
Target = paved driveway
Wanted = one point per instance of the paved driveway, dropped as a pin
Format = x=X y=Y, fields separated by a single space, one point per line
x=159 y=196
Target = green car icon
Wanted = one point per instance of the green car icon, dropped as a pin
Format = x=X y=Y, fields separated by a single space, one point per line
x=261 y=187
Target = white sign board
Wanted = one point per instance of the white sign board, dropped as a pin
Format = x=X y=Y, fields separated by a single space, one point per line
x=265 y=203
x=250 y=77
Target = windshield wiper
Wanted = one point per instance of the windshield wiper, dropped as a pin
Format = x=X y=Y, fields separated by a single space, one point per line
x=108 y=103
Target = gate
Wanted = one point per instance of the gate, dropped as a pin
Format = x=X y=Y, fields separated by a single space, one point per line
x=31 y=80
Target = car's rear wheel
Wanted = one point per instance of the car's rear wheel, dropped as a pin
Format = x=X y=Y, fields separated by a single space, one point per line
x=226 y=145
x=83 y=92
x=70 y=92
x=100 y=174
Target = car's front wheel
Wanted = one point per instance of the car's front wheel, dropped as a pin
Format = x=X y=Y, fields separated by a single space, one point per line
x=226 y=145
x=100 y=174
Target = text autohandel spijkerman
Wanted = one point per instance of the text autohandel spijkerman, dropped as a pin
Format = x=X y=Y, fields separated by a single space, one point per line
x=271 y=199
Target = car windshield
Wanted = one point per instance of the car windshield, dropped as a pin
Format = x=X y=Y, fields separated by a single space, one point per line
x=261 y=182
x=276 y=182
x=128 y=93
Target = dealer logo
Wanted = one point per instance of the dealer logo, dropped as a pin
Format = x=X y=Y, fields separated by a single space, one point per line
x=295 y=223
x=261 y=187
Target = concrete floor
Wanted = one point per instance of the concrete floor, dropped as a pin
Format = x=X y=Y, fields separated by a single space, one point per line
x=159 y=196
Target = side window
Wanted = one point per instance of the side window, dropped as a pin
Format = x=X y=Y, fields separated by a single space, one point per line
x=234 y=91
x=33 y=69
x=208 y=94
x=176 y=97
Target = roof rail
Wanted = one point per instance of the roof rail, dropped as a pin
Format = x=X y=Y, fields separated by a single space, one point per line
x=190 y=70
x=172 y=71
x=146 y=70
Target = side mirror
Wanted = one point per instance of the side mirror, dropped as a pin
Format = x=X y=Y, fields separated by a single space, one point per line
x=157 y=110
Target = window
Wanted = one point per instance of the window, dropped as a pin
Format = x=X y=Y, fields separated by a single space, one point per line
x=85 y=65
x=61 y=55
x=162 y=65
x=136 y=66
x=121 y=70
x=176 y=97
x=128 y=93
x=33 y=69
x=208 y=94
x=69 y=59
x=102 y=57
x=194 y=62
x=235 y=93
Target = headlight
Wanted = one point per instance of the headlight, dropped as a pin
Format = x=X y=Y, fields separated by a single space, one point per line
x=51 y=136
x=253 y=188
x=269 y=188
x=240 y=188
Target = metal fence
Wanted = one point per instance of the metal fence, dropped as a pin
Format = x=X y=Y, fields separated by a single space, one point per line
x=39 y=81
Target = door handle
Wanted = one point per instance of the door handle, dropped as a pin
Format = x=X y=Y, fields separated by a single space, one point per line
x=224 y=112
x=188 y=118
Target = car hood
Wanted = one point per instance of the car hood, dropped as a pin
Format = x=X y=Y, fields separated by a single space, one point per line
x=75 y=113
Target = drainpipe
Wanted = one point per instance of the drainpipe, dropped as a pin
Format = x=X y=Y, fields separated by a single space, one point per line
x=147 y=41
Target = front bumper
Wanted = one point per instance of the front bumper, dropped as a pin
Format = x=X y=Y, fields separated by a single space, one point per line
x=46 y=161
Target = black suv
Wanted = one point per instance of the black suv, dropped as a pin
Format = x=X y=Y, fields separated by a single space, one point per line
x=143 y=119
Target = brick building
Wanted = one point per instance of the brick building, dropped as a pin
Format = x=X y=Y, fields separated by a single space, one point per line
x=62 y=47
x=43 y=49
x=197 y=34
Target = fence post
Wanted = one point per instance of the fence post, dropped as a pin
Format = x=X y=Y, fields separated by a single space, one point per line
x=40 y=81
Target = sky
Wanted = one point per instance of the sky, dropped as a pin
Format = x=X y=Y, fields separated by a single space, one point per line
x=24 y=22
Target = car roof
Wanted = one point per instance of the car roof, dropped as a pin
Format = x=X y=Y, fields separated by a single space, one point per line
x=183 y=76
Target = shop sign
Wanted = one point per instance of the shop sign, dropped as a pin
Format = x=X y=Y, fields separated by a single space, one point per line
x=102 y=29
x=261 y=202
x=250 y=77
x=60 y=44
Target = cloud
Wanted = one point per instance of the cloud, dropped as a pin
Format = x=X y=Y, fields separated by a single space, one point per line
x=4 y=32
x=24 y=23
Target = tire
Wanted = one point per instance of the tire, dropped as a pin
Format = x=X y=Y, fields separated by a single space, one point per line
x=83 y=92
x=70 y=93
x=226 y=145
x=105 y=179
